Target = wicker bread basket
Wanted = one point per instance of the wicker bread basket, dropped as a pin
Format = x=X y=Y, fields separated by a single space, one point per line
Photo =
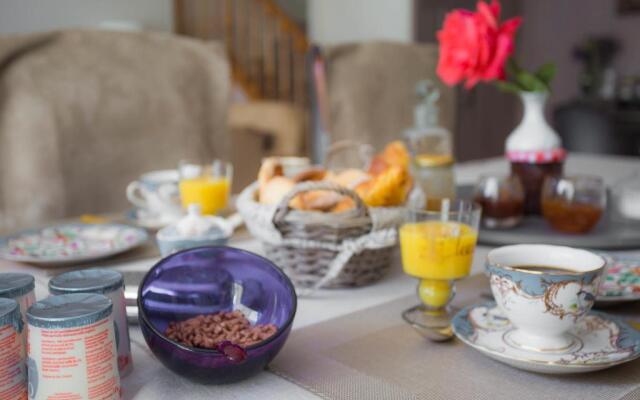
x=328 y=250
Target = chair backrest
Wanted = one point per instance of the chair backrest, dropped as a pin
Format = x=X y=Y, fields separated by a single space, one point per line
x=82 y=113
x=370 y=90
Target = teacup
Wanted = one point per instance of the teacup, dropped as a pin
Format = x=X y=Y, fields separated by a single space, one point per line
x=157 y=193
x=544 y=291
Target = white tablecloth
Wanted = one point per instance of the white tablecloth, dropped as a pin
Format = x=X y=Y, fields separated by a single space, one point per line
x=151 y=381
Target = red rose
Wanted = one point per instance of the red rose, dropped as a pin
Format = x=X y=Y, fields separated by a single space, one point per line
x=475 y=46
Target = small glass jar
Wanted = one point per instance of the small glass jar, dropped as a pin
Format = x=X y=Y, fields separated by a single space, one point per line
x=573 y=204
x=502 y=199
x=431 y=148
x=434 y=177
x=626 y=195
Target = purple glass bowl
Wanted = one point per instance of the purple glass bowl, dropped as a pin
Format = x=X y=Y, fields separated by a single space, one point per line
x=201 y=281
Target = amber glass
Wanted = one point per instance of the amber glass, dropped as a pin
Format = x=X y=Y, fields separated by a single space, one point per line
x=502 y=200
x=573 y=204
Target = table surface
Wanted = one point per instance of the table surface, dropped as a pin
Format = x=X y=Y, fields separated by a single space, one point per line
x=150 y=380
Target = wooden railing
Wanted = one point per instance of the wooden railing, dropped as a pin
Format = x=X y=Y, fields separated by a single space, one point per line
x=267 y=48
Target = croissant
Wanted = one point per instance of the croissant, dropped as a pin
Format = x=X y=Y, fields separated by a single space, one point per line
x=388 y=189
x=394 y=154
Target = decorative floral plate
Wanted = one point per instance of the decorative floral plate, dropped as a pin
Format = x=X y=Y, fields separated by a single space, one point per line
x=71 y=243
x=604 y=340
x=621 y=280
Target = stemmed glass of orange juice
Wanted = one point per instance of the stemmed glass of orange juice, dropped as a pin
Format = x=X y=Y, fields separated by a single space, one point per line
x=208 y=185
x=437 y=248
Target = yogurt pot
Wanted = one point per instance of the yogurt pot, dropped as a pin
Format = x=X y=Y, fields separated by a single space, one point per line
x=13 y=379
x=19 y=287
x=111 y=284
x=72 y=348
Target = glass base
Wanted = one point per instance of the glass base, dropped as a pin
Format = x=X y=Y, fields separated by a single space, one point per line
x=432 y=324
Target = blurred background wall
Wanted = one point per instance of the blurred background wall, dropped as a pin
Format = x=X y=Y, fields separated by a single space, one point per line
x=341 y=21
x=22 y=16
x=266 y=31
x=552 y=28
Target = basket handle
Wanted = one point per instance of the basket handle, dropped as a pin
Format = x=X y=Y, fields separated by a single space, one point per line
x=283 y=207
x=365 y=152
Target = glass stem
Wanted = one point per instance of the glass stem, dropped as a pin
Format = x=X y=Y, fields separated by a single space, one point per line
x=436 y=294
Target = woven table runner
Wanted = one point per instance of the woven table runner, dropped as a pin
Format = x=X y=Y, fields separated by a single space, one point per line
x=373 y=354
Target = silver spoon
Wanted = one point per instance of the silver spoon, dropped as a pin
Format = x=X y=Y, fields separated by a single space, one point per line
x=433 y=326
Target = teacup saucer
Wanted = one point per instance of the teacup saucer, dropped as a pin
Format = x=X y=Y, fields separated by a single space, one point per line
x=604 y=340
x=148 y=220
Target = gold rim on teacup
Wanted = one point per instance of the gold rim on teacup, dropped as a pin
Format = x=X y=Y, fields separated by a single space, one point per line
x=547 y=272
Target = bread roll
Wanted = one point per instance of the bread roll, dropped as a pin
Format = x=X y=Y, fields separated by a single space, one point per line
x=275 y=189
x=270 y=168
x=312 y=174
x=317 y=200
x=350 y=178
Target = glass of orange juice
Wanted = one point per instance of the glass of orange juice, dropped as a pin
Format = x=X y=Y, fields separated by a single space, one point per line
x=208 y=185
x=437 y=247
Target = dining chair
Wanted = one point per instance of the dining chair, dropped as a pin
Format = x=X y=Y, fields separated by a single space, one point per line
x=262 y=128
x=84 y=112
x=365 y=92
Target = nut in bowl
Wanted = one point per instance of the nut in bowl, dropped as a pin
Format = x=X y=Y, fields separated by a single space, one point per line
x=216 y=314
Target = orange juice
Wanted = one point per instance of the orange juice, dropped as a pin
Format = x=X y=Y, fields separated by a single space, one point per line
x=211 y=193
x=437 y=250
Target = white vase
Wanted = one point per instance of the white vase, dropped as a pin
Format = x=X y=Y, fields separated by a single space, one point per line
x=533 y=133
x=534 y=150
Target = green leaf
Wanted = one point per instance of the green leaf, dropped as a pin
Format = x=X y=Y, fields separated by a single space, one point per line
x=530 y=82
x=512 y=67
x=546 y=73
x=508 y=87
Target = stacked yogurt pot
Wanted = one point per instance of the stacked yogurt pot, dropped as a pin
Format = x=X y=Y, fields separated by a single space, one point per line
x=109 y=283
x=12 y=351
x=72 y=348
x=19 y=287
x=79 y=336
x=16 y=296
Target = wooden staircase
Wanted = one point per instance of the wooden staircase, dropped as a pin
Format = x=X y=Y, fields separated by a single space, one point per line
x=267 y=48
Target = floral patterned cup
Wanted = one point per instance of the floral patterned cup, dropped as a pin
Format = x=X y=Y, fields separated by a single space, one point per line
x=544 y=291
